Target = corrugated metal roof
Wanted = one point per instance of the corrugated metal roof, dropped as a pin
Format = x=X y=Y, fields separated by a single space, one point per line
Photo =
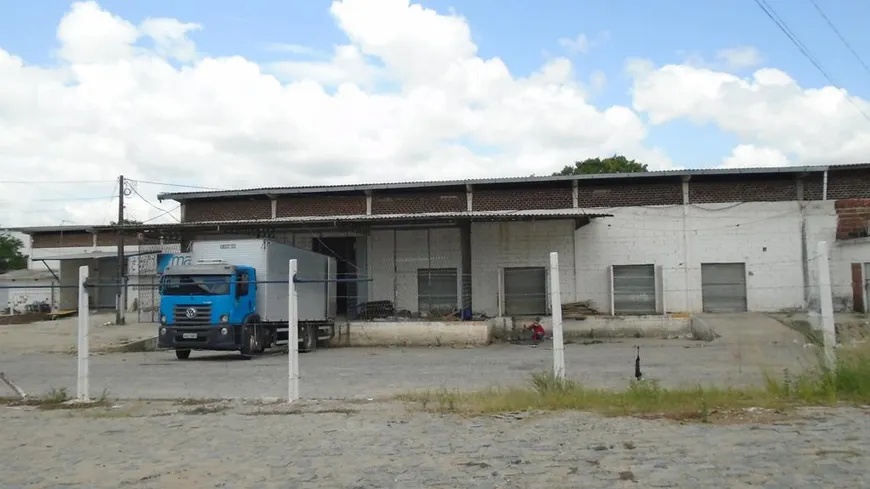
x=208 y=194
x=26 y=275
x=431 y=217
x=424 y=217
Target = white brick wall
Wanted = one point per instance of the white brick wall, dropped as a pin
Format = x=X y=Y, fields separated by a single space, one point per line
x=395 y=256
x=765 y=236
x=495 y=246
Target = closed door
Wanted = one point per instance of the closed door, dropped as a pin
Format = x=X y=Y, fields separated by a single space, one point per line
x=634 y=289
x=723 y=287
x=525 y=291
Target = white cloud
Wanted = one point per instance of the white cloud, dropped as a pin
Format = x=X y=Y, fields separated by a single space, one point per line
x=407 y=96
x=579 y=44
x=769 y=112
x=170 y=37
x=115 y=104
x=740 y=57
x=751 y=156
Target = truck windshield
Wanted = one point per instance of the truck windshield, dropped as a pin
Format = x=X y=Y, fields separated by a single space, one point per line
x=195 y=285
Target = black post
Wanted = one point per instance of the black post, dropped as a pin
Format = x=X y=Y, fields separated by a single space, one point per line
x=119 y=313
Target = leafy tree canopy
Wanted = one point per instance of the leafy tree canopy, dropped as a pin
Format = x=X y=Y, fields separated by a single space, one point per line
x=10 y=253
x=613 y=164
x=126 y=221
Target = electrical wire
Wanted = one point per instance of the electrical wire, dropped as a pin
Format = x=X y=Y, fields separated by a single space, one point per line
x=52 y=182
x=164 y=211
x=840 y=35
x=771 y=13
x=177 y=185
x=161 y=215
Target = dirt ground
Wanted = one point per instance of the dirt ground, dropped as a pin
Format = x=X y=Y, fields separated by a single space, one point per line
x=61 y=336
x=341 y=444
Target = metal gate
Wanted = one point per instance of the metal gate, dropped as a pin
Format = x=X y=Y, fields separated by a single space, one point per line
x=525 y=291
x=723 y=287
x=634 y=289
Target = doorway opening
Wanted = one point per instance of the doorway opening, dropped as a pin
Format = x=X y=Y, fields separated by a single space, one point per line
x=343 y=249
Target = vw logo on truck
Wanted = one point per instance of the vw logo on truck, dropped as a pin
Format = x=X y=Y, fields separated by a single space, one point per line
x=190 y=313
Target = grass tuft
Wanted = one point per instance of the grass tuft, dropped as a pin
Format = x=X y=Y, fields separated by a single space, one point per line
x=848 y=383
x=57 y=399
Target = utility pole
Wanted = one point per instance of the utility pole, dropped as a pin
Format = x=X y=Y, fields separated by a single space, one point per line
x=119 y=297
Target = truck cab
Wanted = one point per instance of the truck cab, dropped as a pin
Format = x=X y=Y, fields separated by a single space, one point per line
x=208 y=305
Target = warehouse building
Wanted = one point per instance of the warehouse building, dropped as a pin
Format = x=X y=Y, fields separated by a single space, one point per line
x=637 y=244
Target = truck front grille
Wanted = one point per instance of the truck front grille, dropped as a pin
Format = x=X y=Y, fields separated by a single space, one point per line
x=192 y=315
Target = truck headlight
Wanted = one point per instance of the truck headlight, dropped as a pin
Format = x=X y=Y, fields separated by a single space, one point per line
x=163 y=319
x=224 y=331
x=162 y=331
x=225 y=318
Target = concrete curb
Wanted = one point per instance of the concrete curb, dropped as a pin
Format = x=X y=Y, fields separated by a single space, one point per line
x=147 y=344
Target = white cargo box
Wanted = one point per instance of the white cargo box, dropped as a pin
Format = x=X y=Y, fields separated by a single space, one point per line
x=271 y=260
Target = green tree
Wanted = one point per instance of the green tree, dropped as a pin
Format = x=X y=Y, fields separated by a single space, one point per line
x=613 y=164
x=126 y=222
x=10 y=253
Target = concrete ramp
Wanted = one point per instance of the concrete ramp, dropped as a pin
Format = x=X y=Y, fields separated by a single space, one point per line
x=749 y=328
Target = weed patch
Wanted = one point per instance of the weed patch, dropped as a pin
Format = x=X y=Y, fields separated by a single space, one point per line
x=848 y=382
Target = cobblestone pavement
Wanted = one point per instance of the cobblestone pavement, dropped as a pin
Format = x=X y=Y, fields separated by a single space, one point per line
x=335 y=445
x=375 y=372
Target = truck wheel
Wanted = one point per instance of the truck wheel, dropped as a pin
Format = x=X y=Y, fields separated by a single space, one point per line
x=309 y=338
x=250 y=341
x=182 y=354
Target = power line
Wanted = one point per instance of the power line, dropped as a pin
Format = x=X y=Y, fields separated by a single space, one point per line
x=52 y=182
x=840 y=35
x=164 y=211
x=178 y=185
x=63 y=199
x=771 y=13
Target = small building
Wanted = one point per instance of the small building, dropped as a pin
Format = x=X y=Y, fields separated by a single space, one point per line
x=23 y=290
x=629 y=244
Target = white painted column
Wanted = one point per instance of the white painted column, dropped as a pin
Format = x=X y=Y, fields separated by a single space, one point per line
x=829 y=333
x=292 y=338
x=556 y=313
x=82 y=380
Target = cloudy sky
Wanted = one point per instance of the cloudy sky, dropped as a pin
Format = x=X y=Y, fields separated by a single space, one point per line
x=227 y=94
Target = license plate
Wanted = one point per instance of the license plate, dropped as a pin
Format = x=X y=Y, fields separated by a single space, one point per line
x=189 y=336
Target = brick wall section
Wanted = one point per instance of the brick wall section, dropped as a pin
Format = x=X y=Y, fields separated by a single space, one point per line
x=849 y=184
x=522 y=199
x=813 y=185
x=57 y=240
x=86 y=240
x=852 y=218
x=629 y=194
x=419 y=203
x=311 y=206
x=701 y=192
x=227 y=210
x=109 y=239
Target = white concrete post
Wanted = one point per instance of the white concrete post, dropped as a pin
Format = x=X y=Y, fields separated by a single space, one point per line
x=556 y=312
x=610 y=285
x=826 y=301
x=82 y=386
x=292 y=338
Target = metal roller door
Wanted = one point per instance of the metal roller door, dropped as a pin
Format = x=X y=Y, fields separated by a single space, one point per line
x=723 y=287
x=437 y=290
x=525 y=291
x=634 y=289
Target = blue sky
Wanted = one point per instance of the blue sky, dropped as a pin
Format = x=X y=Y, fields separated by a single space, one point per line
x=520 y=32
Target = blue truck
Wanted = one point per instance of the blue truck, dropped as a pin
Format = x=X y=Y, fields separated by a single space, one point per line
x=233 y=296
